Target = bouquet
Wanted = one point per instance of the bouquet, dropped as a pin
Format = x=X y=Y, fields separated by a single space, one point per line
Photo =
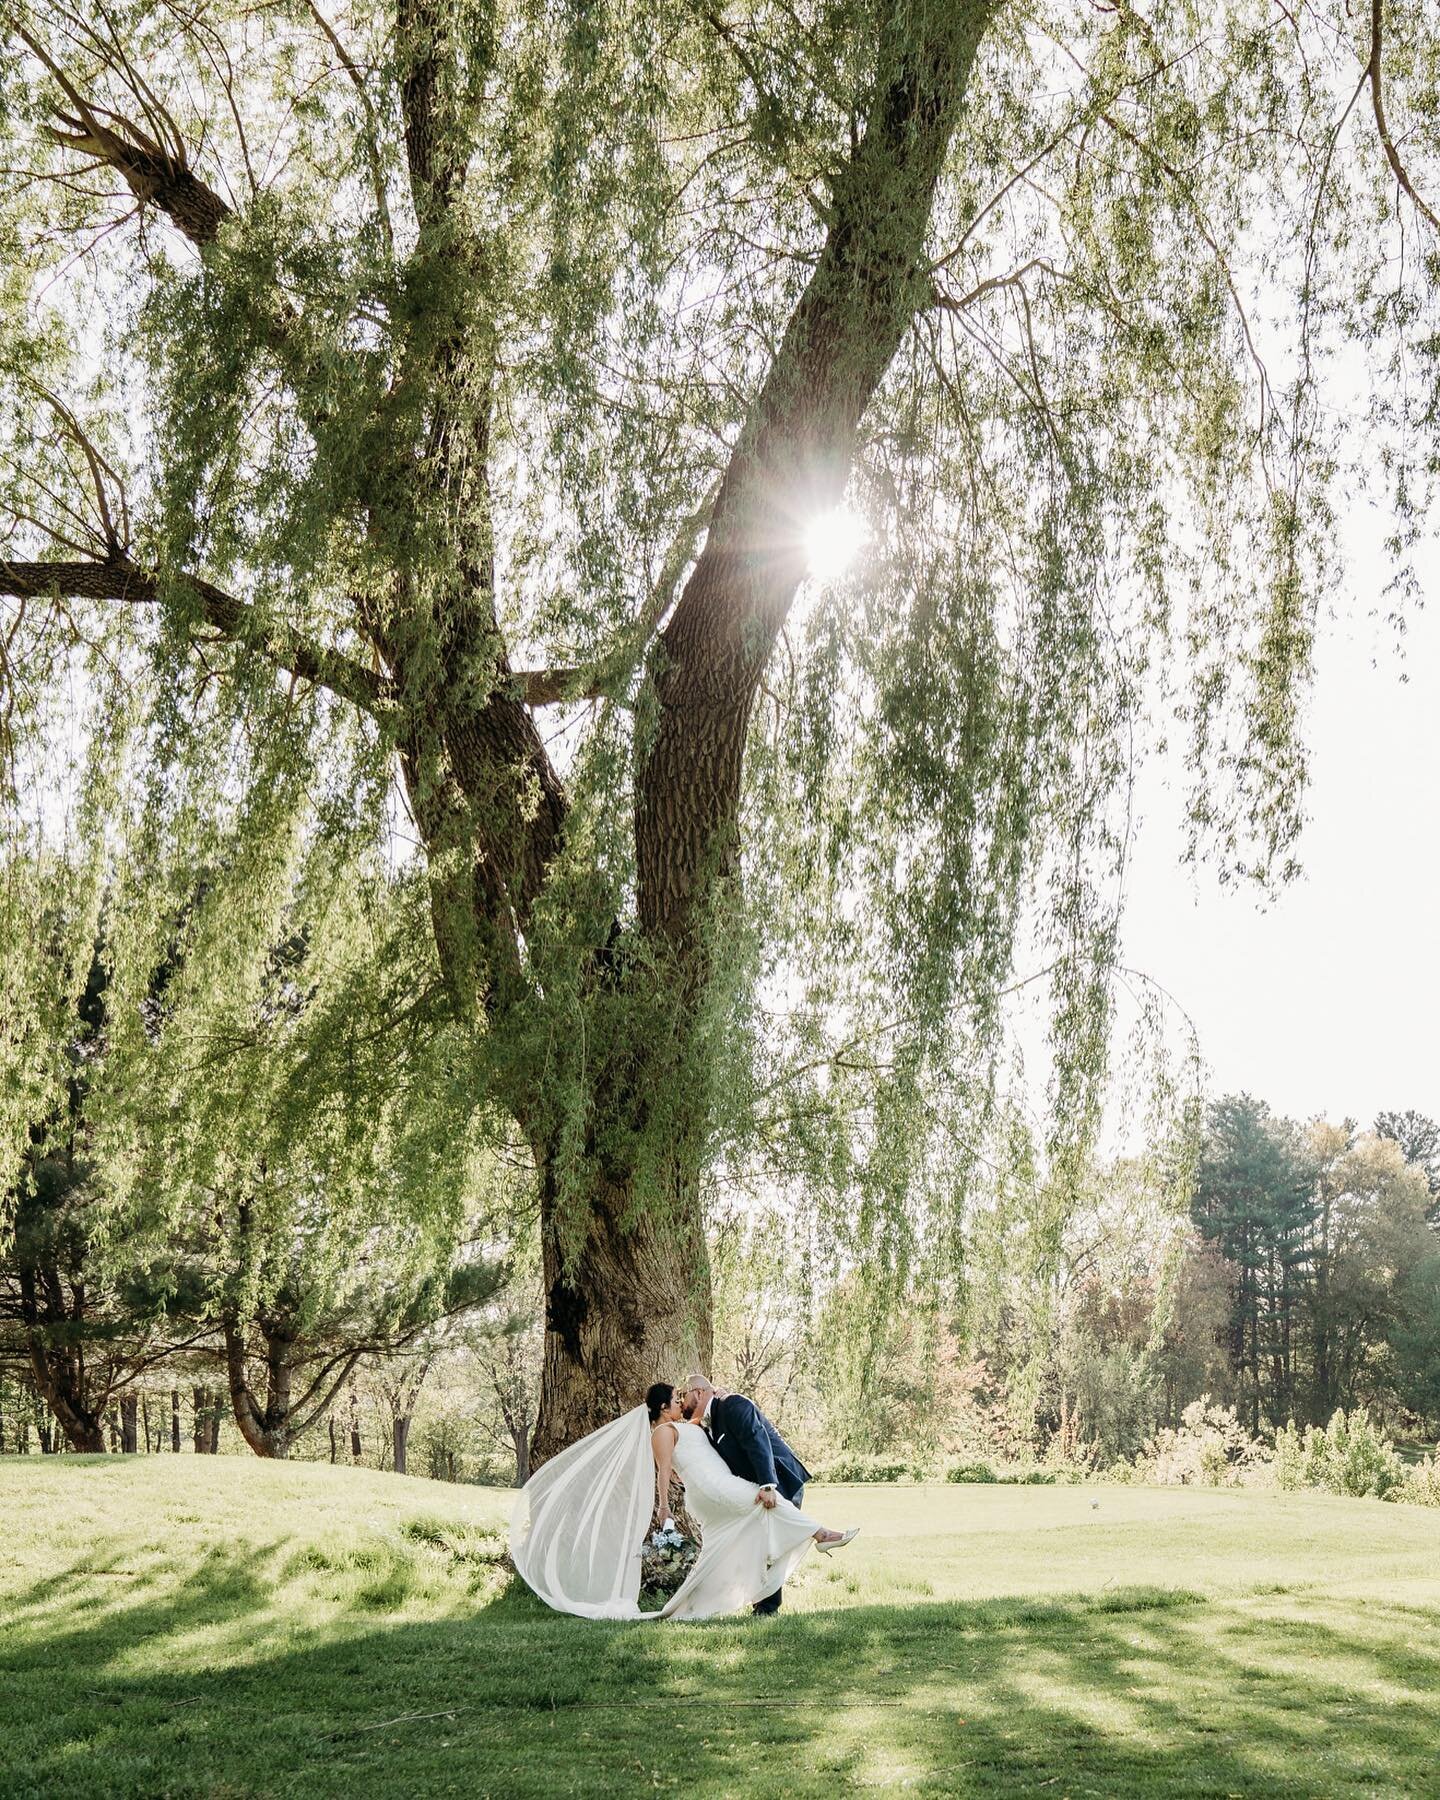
x=667 y=1558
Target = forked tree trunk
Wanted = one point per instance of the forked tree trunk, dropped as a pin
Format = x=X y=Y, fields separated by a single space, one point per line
x=271 y=1428
x=84 y=1428
x=634 y=1308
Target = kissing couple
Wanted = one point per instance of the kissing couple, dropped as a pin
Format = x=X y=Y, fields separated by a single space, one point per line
x=578 y=1528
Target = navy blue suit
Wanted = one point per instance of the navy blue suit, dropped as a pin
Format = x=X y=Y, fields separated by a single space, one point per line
x=752 y=1448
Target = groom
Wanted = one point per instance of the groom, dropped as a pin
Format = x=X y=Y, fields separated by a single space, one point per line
x=750 y=1446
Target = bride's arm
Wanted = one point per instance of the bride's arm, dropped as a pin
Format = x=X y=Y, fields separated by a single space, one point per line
x=662 y=1442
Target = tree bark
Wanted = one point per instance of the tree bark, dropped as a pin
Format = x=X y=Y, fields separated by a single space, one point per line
x=635 y=1308
x=400 y=1438
x=129 y=1437
x=264 y=1430
x=175 y=1420
x=58 y=1368
x=83 y=1428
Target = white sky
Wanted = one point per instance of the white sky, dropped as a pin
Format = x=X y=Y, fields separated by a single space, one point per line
x=1325 y=999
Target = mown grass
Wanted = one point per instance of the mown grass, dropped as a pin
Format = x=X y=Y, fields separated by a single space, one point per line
x=225 y=1628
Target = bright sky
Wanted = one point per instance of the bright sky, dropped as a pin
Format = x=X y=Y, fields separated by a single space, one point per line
x=1327 y=998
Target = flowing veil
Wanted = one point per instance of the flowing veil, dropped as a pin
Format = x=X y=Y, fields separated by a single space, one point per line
x=578 y=1526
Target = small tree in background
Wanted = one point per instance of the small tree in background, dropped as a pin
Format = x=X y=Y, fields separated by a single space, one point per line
x=1419 y=1139
x=399 y=1376
x=86 y=1331
x=505 y=1351
x=1369 y=1237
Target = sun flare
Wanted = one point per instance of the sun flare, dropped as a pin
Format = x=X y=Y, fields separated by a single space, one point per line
x=833 y=541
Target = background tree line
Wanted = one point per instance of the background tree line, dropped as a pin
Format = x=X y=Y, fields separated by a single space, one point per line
x=1299 y=1275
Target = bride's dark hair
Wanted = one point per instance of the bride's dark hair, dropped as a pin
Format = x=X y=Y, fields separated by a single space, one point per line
x=657 y=1397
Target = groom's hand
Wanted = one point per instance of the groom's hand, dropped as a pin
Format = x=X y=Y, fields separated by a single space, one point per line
x=766 y=1497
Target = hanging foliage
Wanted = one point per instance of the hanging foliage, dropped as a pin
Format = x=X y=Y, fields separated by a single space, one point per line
x=417 y=425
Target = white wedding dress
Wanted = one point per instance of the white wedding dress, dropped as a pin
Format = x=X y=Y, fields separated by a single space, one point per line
x=578 y=1529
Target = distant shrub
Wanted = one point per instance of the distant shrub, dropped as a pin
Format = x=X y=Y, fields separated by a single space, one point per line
x=1349 y=1456
x=867 y=1468
x=974 y=1470
x=1420 y=1485
x=1210 y=1448
x=971 y=1471
x=1016 y=1474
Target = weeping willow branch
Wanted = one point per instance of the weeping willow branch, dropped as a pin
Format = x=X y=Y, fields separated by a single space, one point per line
x=1374 y=71
x=238 y=622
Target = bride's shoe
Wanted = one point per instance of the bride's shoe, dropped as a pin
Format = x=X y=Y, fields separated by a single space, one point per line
x=839 y=1541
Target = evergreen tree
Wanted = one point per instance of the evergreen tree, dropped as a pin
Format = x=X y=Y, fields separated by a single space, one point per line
x=1254 y=1199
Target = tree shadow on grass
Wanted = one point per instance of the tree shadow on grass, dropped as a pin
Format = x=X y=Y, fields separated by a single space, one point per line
x=230 y=1677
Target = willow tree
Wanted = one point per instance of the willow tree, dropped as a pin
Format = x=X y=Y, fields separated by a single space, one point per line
x=453 y=388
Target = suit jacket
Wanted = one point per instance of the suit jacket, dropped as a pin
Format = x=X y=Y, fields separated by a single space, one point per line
x=752 y=1448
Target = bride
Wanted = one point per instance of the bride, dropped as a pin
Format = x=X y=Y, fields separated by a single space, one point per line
x=578 y=1528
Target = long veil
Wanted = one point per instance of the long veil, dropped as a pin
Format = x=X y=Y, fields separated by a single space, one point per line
x=578 y=1525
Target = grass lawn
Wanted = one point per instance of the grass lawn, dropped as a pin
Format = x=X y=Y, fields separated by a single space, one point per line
x=223 y=1627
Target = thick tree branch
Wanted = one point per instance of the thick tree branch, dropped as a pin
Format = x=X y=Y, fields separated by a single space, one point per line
x=434 y=148
x=157 y=174
x=234 y=619
x=1392 y=155
x=794 y=453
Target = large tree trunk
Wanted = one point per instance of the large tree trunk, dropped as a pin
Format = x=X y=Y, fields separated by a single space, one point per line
x=129 y=1437
x=634 y=1308
x=399 y=1439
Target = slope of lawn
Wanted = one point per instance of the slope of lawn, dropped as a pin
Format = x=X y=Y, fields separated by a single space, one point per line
x=223 y=1627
